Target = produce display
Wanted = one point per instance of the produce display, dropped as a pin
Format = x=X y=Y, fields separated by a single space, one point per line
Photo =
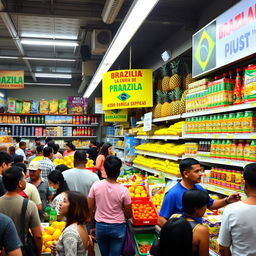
x=161 y=147
x=69 y=161
x=174 y=129
x=144 y=242
x=138 y=192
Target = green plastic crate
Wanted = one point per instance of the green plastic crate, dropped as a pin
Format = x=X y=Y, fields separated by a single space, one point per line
x=144 y=238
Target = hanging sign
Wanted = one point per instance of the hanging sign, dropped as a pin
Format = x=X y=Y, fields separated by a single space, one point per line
x=12 y=79
x=116 y=115
x=98 y=106
x=225 y=40
x=147 y=122
x=131 y=88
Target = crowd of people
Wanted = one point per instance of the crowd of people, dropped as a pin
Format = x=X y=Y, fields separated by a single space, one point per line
x=97 y=204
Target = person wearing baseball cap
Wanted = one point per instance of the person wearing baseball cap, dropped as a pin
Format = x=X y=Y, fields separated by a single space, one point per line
x=40 y=183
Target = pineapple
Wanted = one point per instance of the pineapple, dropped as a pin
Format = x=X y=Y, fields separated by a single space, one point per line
x=157 y=110
x=165 y=77
x=175 y=79
x=177 y=93
x=188 y=80
x=165 y=110
x=182 y=107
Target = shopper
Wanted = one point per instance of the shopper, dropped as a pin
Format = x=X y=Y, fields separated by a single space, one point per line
x=18 y=159
x=9 y=239
x=46 y=163
x=39 y=153
x=74 y=239
x=238 y=227
x=61 y=168
x=21 y=150
x=41 y=184
x=56 y=153
x=79 y=178
x=17 y=142
x=5 y=163
x=11 y=204
x=47 y=140
x=112 y=204
x=176 y=238
x=12 y=152
x=105 y=151
x=33 y=154
x=3 y=147
x=93 y=151
x=70 y=149
x=191 y=173
x=58 y=185
x=37 y=142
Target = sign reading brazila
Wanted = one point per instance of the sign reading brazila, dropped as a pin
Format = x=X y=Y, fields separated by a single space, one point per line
x=11 y=79
x=127 y=89
x=116 y=115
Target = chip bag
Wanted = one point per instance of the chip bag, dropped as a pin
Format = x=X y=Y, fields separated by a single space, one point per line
x=44 y=106
x=18 y=106
x=53 y=107
x=63 y=107
x=26 y=107
x=3 y=105
x=35 y=107
x=11 y=105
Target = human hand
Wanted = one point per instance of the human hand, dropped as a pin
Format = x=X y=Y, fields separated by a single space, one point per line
x=92 y=233
x=233 y=198
x=53 y=249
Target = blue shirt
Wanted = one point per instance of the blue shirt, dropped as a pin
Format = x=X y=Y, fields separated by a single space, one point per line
x=173 y=201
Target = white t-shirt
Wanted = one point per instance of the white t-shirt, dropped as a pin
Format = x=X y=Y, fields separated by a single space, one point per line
x=238 y=228
x=21 y=152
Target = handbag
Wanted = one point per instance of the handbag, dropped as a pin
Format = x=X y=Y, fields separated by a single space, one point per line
x=129 y=244
x=28 y=248
x=91 y=251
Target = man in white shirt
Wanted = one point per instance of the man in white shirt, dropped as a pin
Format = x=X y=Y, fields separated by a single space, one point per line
x=21 y=150
x=238 y=227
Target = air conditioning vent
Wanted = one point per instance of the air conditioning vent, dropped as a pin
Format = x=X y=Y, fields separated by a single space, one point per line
x=110 y=10
x=100 y=41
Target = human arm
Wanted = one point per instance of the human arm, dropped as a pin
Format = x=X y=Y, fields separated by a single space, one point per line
x=16 y=252
x=69 y=241
x=35 y=197
x=203 y=235
x=161 y=221
x=128 y=211
x=223 y=202
x=37 y=238
x=99 y=161
x=91 y=204
x=225 y=251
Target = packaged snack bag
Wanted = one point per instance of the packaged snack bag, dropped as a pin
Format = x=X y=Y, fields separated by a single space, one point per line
x=44 y=107
x=11 y=105
x=3 y=105
x=63 y=107
x=53 y=107
x=76 y=104
x=18 y=106
x=26 y=107
x=35 y=107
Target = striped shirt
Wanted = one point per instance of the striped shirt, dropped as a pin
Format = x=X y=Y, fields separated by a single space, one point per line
x=47 y=166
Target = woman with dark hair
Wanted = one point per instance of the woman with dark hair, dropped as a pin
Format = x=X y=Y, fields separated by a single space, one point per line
x=70 y=149
x=57 y=185
x=61 y=168
x=113 y=206
x=56 y=153
x=106 y=150
x=194 y=203
x=74 y=239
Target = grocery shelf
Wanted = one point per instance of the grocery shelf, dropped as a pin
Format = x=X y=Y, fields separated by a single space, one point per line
x=40 y=114
x=160 y=155
x=210 y=160
x=121 y=148
x=147 y=169
x=159 y=137
x=115 y=136
x=220 y=110
x=78 y=125
x=23 y=124
x=220 y=190
x=162 y=119
x=56 y=136
x=238 y=136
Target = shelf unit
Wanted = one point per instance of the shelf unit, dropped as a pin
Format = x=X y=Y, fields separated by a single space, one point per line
x=237 y=136
x=121 y=148
x=162 y=119
x=48 y=125
x=78 y=137
x=160 y=155
x=159 y=137
x=147 y=169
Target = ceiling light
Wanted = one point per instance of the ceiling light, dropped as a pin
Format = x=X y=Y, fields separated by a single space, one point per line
x=44 y=42
x=9 y=57
x=132 y=21
x=53 y=75
x=48 y=84
x=49 y=36
x=48 y=59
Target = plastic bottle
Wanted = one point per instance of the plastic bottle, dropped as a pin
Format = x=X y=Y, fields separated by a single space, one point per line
x=253 y=151
x=213 y=148
x=224 y=124
x=240 y=150
x=233 y=150
x=237 y=93
x=231 y=120
x=238 y=122
x=218 y=123
x=247 y=151
x=247 y=123
x=53 y=216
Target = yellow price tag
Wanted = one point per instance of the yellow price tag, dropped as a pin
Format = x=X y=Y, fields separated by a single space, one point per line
x=230 y=136
x=216 y=136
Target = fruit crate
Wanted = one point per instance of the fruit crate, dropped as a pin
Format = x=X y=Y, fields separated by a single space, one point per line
x=144 y=241
x=139 y=199
x=144 y=213
x=93 y=169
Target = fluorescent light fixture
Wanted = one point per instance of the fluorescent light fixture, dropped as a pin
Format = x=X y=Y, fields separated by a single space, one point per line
x=53 y=75
x=138 y=12
x=48 y=84
x=48 y=59
x=9 y=57
x=44 y=42
x=49 y=36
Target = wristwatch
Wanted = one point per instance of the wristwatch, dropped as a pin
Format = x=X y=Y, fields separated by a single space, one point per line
x=226 y=200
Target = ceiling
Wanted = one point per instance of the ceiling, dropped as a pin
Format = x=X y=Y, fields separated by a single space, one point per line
x=75 y=20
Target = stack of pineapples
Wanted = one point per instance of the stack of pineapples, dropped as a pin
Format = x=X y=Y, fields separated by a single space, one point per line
x=170 y=99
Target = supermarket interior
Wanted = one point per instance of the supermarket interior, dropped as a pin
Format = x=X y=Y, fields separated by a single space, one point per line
x=156 y=96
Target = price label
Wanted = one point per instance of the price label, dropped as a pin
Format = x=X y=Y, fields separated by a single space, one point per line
x=253 y=136
x=216 y=136
x=230 y=136
x=253 y=104
x=228 y=162
x=147 y=122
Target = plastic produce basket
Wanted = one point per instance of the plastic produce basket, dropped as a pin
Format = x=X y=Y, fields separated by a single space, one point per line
x=144 y=240
x=93 y=169
x=139 y=199
x=147 y=217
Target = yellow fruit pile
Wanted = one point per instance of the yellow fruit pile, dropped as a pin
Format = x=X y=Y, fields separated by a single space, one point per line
x=69 y=162
x=175 y=129
x=137 y=191
x=51 y=234
x=157 y=200
x=165 y=166
x=165 y=148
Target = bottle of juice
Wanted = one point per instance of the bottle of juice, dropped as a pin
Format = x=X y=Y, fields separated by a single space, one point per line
x=253 y=151
x=228 y=178
x=240 y=150
x=238 y=122
x=222 y=149
x=237 y=93
x=231 y=120
x=214 y=124
x=247 y=151
x=218 y=148
x=218 y=123
x=247 y=123
x=210 y=124
x=203 y=124
x=227 y=149
x=213 y=148
x=233 y=150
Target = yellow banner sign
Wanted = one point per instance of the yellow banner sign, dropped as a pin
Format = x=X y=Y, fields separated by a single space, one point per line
x=131 y=88
x=11 y=79
x=116 y=115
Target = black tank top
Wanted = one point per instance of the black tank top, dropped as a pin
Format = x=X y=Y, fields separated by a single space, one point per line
x=194 y=225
